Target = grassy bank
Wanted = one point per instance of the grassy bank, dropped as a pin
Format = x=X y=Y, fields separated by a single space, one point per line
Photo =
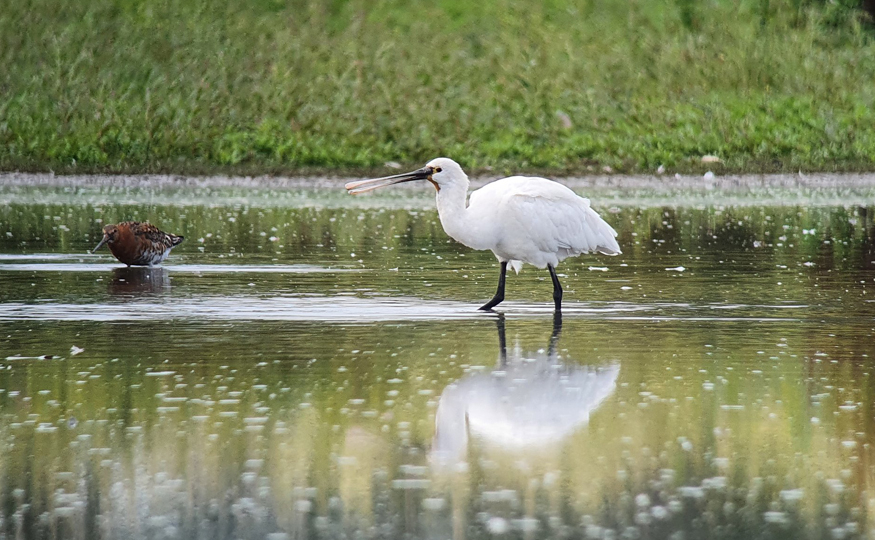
x=565 y=85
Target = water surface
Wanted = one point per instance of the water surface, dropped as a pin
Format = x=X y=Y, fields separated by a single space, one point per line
x=308 y=365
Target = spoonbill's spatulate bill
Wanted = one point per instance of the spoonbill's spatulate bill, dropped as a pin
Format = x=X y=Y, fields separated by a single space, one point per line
x=138 y=244
x=521 y=219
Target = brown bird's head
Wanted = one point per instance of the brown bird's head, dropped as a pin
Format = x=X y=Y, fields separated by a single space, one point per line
x=110 y=234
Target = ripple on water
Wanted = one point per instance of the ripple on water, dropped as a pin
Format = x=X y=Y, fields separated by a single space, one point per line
x=181 y=268
x=347 y=308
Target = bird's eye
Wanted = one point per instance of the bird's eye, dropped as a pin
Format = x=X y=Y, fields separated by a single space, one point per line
x=437 y=169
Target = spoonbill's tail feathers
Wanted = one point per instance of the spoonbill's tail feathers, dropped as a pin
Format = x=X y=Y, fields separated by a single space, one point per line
x=606 y=242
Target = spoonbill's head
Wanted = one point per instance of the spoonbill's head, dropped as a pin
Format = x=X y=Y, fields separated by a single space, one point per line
x=441 y=172
x=110 y=233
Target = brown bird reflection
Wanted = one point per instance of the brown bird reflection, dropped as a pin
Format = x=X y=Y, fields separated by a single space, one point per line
x=133 y=281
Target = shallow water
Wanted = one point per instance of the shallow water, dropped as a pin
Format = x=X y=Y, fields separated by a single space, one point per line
x=308 y=365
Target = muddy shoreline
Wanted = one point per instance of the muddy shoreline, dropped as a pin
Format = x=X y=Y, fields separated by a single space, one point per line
x=650 y=182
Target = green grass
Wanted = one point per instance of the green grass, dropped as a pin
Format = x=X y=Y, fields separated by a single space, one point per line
x=266 y=86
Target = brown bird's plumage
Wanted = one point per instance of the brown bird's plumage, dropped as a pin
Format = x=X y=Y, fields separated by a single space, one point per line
x=138 y=243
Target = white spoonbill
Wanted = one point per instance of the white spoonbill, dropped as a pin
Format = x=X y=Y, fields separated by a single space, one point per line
x=520 y=219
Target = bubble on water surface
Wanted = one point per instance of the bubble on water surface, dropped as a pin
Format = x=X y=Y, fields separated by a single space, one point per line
x=497 y=525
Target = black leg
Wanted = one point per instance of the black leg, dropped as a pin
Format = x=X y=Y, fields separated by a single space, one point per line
x=557 y=288
x=499 y=294
x=554 y=337
x=502 y=342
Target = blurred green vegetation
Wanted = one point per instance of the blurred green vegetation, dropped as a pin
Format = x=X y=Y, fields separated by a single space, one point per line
x=271 y=86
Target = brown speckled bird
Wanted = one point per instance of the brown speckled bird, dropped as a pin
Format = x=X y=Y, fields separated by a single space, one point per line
x=136 y=243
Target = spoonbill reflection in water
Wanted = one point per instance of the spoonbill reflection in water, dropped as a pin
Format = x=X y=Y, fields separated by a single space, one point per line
x=520 y=219
x=534 y=404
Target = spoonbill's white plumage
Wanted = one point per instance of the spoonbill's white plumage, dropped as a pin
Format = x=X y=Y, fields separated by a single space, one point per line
x=536 y=402
x=551 y=404
x=520 y=219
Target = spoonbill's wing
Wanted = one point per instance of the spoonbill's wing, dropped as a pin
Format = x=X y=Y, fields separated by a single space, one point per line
x=557 y=220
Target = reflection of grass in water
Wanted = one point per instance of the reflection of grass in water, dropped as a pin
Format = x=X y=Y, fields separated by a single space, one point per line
x=407 y=254
x=266 y=86
x=144 y=456
x=205 y=462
